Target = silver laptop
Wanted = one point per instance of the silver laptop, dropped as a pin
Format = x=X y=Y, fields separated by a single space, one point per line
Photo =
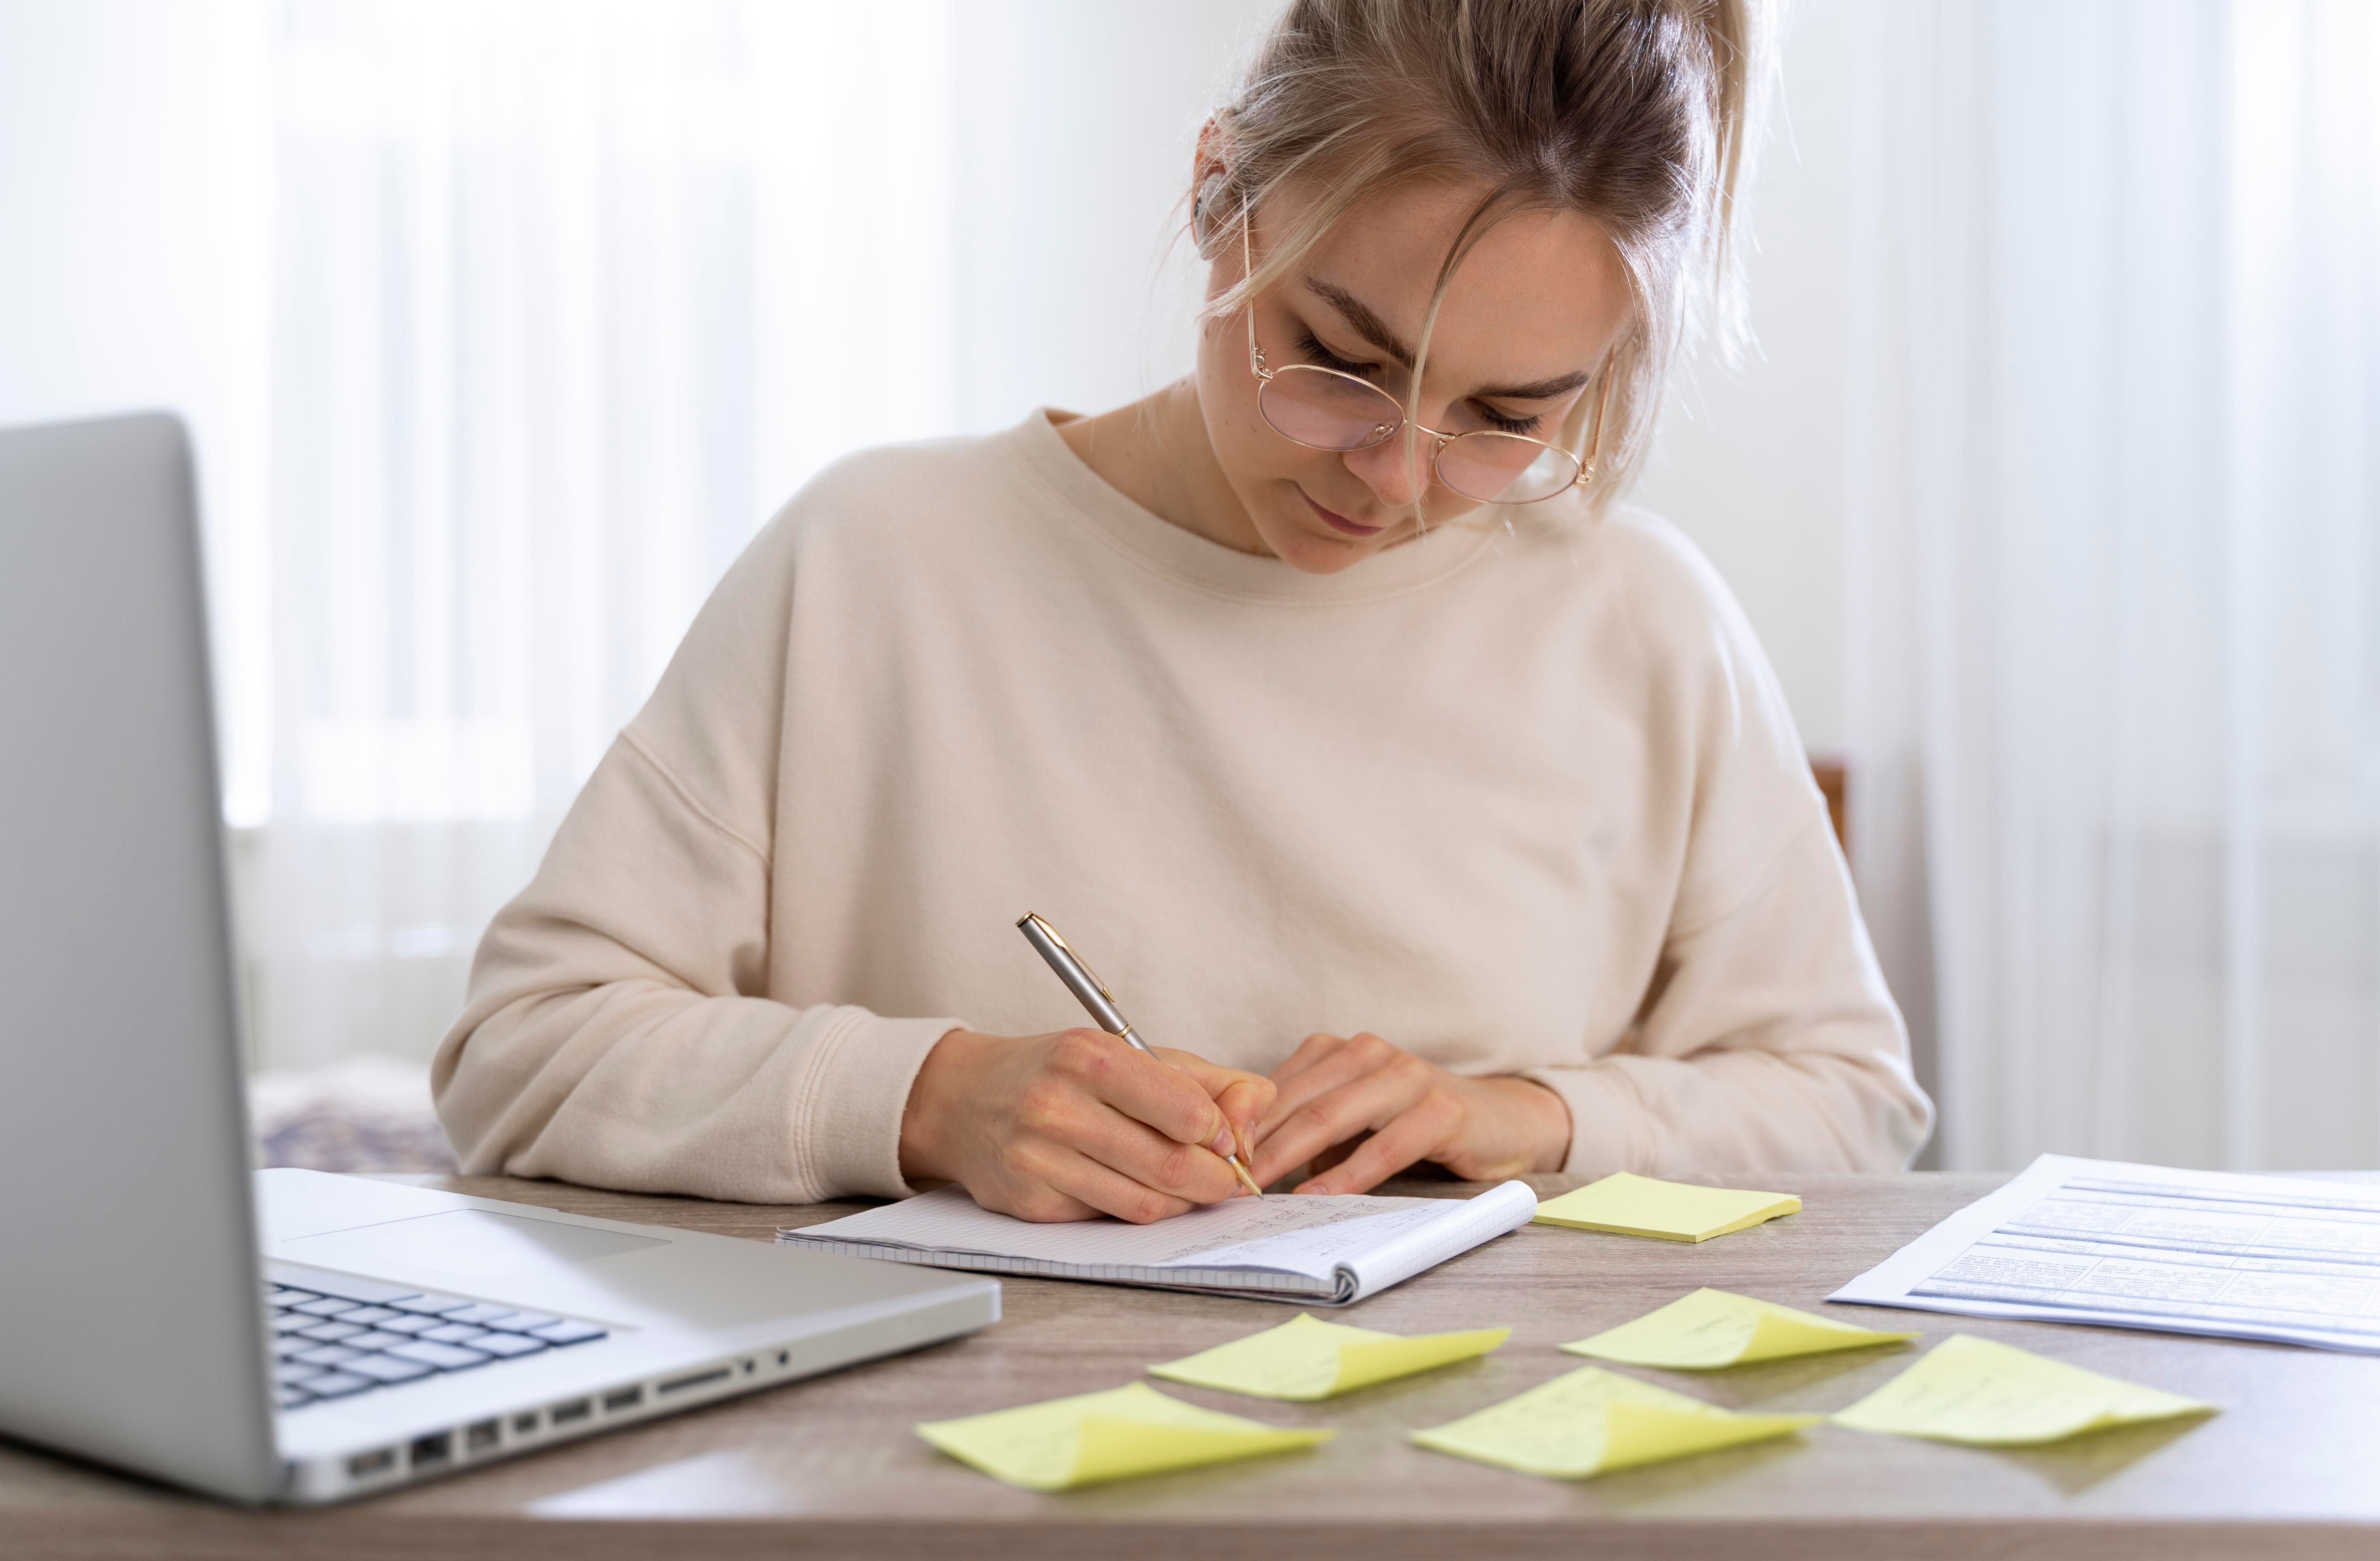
x=275 y=1336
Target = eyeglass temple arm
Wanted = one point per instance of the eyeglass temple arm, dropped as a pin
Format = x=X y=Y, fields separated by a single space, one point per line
x=1593 y=463
x=1248 y=304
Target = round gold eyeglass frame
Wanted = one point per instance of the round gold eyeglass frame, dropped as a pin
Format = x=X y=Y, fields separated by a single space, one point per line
x=1583 y=472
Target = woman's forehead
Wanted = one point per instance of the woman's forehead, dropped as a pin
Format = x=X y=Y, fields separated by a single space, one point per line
x=1540 y=293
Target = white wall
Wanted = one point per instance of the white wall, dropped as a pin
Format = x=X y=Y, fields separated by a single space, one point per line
x=1753 y=463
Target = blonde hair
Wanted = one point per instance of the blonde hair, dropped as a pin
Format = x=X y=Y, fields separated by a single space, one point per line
x=1637 y=113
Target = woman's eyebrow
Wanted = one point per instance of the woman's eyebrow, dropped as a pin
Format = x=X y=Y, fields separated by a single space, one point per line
x=1375 y=330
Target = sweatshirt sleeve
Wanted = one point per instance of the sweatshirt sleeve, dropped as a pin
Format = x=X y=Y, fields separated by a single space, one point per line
x=1765 y=1039
x=614 y=1034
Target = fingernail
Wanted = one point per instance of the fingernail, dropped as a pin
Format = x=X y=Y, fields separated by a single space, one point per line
x=1221 y=1143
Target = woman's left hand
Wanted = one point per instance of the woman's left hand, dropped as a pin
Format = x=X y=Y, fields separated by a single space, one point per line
x=1336 y=1088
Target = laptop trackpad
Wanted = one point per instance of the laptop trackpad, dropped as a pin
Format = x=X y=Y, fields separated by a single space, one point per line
x=473 y=1243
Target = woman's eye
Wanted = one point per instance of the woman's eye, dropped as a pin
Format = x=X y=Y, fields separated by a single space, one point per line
x=1322 y=357
x=1503 y=424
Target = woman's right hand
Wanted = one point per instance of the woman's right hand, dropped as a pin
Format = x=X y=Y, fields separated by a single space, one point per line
x=1077 y=1124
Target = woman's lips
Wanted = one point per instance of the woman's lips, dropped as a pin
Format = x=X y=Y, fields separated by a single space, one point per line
x=1339 y=522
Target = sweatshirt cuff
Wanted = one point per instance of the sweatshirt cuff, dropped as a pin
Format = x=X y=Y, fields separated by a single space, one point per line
x=849 y=1116
x=1609 y=1129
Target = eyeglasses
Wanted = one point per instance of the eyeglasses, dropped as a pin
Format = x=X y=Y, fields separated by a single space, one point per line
x=1325 y=410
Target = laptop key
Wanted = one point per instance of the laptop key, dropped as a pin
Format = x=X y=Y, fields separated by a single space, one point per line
x=331 y=1333
x=290 y=1322
x=454 y=1333
x=372 y=1340
x=328 y=1354
x=570 y=1332
x=329 y=1306
x=288 y=1345
x=289 y=1374
x=520 y=1321
x=445 y=1357
x=405 y=1322
x=370 y=1316
x=337 y=1384
x=282 y=1295
x=364 y=1292
x=386 y=1368
x=479 y=1312
x=291 y=1397
x=507 y=1346
x=431 y=1305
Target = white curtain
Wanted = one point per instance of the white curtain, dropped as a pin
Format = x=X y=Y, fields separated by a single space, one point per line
x=2115 y=564
x=565 y=298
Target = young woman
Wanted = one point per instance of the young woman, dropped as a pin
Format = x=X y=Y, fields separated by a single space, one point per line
x=1434 y=808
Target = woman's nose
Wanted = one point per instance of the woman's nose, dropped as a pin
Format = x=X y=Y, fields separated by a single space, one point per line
x=1397 y=471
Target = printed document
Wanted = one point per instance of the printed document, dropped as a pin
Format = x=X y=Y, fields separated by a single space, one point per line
x=2144 y=1247
x=1327 y=1251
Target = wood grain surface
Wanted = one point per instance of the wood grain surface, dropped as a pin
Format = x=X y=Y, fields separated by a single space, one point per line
x=830 y=1468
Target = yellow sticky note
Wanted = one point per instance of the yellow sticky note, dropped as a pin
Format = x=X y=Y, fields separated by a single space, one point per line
x=1971 y=1389
x=1713 y=1328
x=1632 y=1205
x=1593 y=1422
x=1307 y=1359
x=1110 y=1435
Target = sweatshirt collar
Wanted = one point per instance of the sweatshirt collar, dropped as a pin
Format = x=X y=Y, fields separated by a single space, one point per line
x=1192 y=560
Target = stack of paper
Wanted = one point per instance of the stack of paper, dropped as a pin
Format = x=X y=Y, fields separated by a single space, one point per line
x=1307 y=1358
x=1971 y=1389
x=1712 y=1328
x=2146 y=1246
x=1100 y=1436
x=1593 y=1422
x=1632 y=1205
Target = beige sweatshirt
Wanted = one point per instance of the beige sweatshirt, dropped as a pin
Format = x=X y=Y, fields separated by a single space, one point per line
x=1520 y=802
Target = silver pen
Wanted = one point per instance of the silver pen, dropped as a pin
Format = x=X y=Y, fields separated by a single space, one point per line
x=1093 y=994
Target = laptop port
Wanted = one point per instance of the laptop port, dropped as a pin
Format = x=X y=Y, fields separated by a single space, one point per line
x=626 y=1398
x=570 y=1414
x=679 y=1384
x=524 y=1425
x=371 y=1465
x=432 y=1449
x=479 y=1437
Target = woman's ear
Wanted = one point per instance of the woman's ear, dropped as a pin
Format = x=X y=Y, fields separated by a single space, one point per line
x=1209 y=177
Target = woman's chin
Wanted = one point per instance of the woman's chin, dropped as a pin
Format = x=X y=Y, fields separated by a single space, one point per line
x=1313 y=552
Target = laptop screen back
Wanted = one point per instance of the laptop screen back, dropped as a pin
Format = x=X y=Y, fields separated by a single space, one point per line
x=130 y=1324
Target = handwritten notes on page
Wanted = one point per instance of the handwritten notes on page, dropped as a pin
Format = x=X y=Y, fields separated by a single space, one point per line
x=1593 y=1422
x=1971 y=1389
x=1713 y=1328
x=1326 y=1251
x=1095 y=1437
x=1632 y=1205
x=1306 y=1359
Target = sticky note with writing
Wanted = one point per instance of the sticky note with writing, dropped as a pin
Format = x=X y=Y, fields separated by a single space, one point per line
x=1713 y=1328
x=1307 y=1358
x=1973 y=1389
x=1112 y=1435
x=1624 y=1204
x=1593 y=1422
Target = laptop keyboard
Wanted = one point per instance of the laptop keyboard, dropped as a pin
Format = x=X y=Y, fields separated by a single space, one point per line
x=335 y=1337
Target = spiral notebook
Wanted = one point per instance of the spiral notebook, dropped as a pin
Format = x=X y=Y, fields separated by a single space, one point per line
x=1313 y=1251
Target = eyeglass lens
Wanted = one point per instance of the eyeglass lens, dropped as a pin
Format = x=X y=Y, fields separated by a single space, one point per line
x=1332 y=412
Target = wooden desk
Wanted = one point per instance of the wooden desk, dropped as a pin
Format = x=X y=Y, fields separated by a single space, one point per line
x=2290 y=1469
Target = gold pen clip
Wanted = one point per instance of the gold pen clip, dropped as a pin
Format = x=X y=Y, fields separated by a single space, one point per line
x=1083 y=965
